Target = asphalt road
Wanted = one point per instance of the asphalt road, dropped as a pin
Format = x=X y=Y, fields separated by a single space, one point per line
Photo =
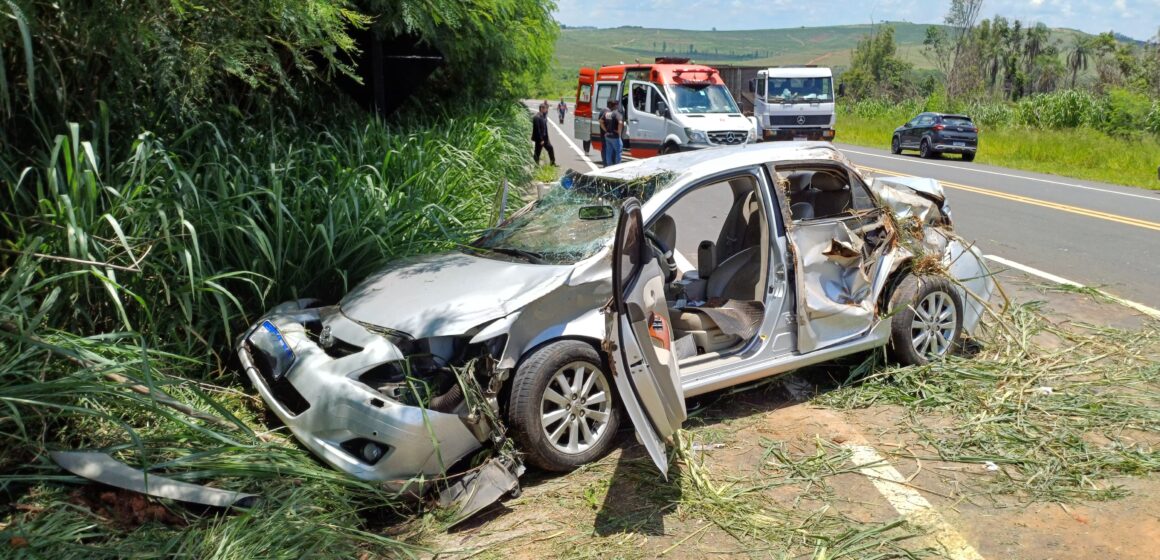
x=1057 y=228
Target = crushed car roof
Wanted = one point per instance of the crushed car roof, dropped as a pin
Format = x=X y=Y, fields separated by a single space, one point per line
x=710 y=161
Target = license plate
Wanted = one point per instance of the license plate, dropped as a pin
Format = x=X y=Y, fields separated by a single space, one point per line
x=960 y=144
x=275 y=350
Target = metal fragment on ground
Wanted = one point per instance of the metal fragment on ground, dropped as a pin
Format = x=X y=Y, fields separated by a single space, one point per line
x=481 y=488
x=100 y=467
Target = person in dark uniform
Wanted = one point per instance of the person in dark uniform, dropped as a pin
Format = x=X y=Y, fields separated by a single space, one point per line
x=612 y=129
x=540 y=134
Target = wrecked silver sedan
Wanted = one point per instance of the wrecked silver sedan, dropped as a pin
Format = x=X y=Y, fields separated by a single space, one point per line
x=619 y=292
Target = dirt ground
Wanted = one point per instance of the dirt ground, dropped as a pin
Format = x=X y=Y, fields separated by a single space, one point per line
x=771 y=477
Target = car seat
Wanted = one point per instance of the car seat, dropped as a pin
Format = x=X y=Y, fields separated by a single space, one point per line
x=736 y=277
x=801 y=196
x=832 y=197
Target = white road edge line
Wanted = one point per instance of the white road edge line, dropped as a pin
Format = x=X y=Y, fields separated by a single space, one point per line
x=909 y=503
x=1151 y=312
x=1012 y=176
x=583 y=156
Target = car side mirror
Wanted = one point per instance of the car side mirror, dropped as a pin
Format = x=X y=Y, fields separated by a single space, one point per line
x=598 y=212
x=662 y=109
x=752 y=86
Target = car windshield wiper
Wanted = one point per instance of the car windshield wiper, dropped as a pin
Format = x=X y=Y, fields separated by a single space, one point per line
x=531 y=256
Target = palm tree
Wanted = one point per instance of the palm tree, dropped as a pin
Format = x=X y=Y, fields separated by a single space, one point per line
x=1077 y=59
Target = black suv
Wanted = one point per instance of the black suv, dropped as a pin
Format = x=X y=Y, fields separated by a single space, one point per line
x=935 y=133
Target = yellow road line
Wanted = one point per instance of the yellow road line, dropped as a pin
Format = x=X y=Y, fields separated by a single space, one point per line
x=1035 y=202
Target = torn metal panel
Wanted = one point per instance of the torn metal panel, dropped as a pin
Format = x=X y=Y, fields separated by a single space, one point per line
x=480 y=488
x=913 y=197
x=965 y=264
x=100 y=467
x=837 y=269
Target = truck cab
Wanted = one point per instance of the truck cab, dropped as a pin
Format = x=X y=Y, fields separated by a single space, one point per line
x=668 y=107
x=794 y=103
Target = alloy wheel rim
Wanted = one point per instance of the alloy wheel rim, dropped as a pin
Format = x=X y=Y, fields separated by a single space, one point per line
x=934 y=324
x=575 y=407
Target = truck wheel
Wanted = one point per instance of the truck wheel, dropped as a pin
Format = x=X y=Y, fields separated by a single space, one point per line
x=563 y=412
x=968 y=156
x=928 y=319
x=895 y=146
x=587 y=145
x=669 y=148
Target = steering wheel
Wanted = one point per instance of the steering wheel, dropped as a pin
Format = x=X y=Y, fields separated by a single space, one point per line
x=664 y=256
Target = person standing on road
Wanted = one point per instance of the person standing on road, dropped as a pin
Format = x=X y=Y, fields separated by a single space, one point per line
x=611 y=129
x=540 y=134
x=563 y=109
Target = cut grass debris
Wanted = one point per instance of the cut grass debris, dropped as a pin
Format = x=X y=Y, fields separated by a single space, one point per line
x=1061 y=411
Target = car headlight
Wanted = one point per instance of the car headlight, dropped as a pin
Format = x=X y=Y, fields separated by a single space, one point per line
x=696 y=136
x=752 y=136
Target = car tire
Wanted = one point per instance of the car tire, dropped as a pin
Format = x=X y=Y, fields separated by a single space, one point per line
x=534 y=415
x=895 y=146
x=925 y=151
x=968 y=156
x=927 y=321
x=669 y=148
x=587 y=146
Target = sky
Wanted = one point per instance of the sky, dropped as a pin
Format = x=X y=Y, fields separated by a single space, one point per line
x=1138 y=19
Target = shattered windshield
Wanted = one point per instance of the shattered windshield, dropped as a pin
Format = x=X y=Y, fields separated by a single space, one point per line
x=702 y=99
x=573 y=221
x=800 y=90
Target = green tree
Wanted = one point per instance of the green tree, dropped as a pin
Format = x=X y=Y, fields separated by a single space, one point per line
x=492 y=47
x=875 y=69
x=1077 y=58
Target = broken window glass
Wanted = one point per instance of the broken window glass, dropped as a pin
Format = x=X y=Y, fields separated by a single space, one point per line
x=552 y=231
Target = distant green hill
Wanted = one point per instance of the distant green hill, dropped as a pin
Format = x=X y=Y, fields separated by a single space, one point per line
x=824 y=46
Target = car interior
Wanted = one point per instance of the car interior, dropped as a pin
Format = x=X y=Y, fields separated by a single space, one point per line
x=715 y=298
x=819 y=193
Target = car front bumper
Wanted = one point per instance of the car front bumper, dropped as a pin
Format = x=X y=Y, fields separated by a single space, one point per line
x=331 y=412
x=813 y=134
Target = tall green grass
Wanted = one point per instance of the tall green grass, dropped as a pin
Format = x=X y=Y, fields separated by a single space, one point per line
x=126 y=271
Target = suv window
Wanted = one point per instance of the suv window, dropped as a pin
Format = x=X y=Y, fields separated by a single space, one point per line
x=925 y=120
x=957 y=121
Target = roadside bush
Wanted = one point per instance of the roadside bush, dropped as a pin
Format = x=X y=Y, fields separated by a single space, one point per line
x=1062 y=109
x=1152 y=122
x=189 y=237
x=990 y=113
x=1128 y=113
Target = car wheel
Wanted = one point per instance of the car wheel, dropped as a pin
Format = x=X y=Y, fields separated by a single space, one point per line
x=924 y=149
x=669 y=148
x=968 y=156
x=587 y=145
x=562 y=411
x=928 y=319
x=895 y=146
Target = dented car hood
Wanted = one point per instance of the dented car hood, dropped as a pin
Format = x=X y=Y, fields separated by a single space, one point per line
x=448 y=294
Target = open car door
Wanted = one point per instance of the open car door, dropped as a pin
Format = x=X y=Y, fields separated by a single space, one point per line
x=638 y=339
